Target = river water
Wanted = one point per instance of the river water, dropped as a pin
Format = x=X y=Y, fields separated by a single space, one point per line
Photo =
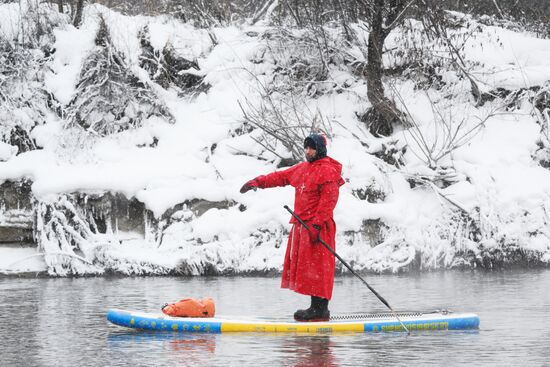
x=61 y=322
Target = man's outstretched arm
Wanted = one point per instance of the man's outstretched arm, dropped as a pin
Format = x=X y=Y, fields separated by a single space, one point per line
x=279 y=178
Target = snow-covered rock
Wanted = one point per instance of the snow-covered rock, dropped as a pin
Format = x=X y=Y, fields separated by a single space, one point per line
x=7 y=151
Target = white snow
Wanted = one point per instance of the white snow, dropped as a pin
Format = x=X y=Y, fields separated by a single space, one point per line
x=7 y=151
x=503 y=180
x=15 y=260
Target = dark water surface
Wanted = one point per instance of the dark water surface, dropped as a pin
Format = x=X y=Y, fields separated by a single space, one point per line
x=61 y=322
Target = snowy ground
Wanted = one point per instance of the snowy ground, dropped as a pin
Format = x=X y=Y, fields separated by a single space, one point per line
x=496 y=180
x=14 y=260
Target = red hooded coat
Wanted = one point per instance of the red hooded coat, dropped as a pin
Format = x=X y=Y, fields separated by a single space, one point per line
x=309 y=267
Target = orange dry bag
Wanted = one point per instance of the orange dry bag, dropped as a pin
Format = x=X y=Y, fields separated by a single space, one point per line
x=190 y=307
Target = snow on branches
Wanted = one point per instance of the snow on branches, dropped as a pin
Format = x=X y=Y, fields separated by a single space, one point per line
x=22 y=96
x=109 y=97
x=169 y=69
x=64 y=237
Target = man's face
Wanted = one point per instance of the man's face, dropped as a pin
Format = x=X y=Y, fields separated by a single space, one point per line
x=310 y=154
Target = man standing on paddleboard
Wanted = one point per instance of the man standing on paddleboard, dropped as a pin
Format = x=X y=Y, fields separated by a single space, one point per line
x=309 y=267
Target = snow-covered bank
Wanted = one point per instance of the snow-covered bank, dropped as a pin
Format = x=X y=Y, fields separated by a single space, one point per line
x=469 y=188
x=17 y=260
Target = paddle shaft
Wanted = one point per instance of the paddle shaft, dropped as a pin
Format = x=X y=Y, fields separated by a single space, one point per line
x=349 y=267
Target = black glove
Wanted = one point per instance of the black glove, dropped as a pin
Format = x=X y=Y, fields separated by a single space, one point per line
x=315 y=233
x=252 y=184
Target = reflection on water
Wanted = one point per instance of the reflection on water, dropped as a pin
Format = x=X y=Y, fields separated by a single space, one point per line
x=312 y=351
x=304 y=350
x=61 y=322
x=176 y=342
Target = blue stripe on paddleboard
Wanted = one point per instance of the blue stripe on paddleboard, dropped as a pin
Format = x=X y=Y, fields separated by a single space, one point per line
x=130 y=320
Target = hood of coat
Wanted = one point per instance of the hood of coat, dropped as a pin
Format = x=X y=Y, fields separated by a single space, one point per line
x=330 y=168
x=317 y=142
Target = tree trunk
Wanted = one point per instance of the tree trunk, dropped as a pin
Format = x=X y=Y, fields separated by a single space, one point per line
x=78 y=14
x=383 y=112
x=60 y=6
x=377 y=121
x=375 y=48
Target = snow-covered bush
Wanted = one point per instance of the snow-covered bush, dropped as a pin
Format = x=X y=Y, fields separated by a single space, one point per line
x=22 y=97
x=26 y=38
x=109 y=97
x=64 y=237
x=199 y=13
x=303 y=59
x=541 y=104
x=169 y=69
x=30 y=22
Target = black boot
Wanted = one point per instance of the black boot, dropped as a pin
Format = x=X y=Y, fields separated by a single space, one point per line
x=318 y=311
x=300 y=314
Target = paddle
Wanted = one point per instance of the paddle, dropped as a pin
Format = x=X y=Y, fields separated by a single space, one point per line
x=349 y=268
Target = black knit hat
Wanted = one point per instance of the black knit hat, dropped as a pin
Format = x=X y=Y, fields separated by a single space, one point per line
x=317 y=142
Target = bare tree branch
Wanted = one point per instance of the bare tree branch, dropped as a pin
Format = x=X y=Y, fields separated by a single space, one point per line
x=397 y=15
x=263 y=10
x=498 y=9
